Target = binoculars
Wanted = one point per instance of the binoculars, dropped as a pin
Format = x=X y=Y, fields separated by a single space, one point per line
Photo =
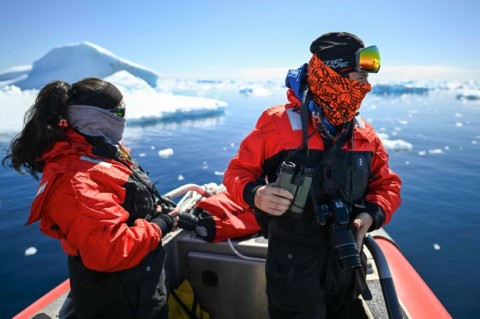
x=297 y=184
x=187 y=221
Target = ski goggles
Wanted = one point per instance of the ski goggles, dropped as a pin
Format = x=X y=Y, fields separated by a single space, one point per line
x=368 y=59
x=119 y=110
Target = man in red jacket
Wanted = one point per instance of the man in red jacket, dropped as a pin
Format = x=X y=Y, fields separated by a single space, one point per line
x=96 y=199
x=318 y=178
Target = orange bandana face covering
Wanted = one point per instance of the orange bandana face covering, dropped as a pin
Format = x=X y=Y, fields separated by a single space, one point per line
x=339 y=97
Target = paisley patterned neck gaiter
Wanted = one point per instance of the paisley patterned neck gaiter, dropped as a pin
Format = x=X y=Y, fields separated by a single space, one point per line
x=339 y=97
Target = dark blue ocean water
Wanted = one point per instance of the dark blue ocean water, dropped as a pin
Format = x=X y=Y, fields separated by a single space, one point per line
x=437 y=226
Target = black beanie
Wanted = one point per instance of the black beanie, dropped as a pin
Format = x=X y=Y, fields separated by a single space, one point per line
x=107 y=98
x=337 y=50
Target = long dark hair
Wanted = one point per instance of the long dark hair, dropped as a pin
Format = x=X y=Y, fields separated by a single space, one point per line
x=41 y=128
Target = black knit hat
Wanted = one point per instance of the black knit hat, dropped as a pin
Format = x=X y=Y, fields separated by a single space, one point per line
x=108 y=98
x=337 y=50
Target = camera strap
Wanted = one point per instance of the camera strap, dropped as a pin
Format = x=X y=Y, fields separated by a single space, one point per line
x=328 y=163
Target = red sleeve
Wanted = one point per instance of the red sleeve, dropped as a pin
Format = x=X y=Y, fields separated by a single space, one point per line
x=94 y=224
x=246 y=167
x=384 y=186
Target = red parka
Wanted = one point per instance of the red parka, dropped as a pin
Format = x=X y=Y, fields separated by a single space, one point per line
x=278 y=133
x=81 y=200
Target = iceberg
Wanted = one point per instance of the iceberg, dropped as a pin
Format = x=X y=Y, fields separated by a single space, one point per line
x=14 y=74
x=145 y=105
x=73 y=62
x=469 y=96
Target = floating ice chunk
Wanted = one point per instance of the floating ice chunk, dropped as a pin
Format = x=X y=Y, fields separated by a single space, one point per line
x=256 y=91
x=180 y=177
x=435 y=151
x=436 y=246
x=397 y=145
x=165 y=153
x=219 y=173
x=472 y=95
x=142 y=154
x=30 y=251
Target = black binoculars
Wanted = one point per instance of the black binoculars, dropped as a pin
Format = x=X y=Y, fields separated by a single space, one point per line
x=187 y=221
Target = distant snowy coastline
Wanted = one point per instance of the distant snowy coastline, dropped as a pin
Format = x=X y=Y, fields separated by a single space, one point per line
x=152 y=98
x=73 y=62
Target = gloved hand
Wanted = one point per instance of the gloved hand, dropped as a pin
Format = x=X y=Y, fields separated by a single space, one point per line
x=164 y=221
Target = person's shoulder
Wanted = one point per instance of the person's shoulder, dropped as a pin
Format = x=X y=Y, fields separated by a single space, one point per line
x=364 y=130
x=363 y=124
x=83 y=164
x=276 y=110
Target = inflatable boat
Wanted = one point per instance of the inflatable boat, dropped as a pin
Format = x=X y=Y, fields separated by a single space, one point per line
x=226 y=279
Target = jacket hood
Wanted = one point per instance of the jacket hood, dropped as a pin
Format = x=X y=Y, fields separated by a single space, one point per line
x=296 y=82
x=73 y=143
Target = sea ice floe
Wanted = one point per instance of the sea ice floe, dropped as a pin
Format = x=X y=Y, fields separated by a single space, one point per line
x=30 y=251
x=165 y=153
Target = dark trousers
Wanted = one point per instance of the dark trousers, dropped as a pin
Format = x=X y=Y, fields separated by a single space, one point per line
x=139 y=292
x=305 y=281
x=351 y=310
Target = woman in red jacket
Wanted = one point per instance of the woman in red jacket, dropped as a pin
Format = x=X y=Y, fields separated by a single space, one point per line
x=318 y=178
x=95 y=198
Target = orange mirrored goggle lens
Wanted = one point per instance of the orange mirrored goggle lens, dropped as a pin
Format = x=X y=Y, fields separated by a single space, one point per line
x=368 y=59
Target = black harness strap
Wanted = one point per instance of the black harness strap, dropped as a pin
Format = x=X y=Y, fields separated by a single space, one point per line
x=125 y=159
x=328 y=162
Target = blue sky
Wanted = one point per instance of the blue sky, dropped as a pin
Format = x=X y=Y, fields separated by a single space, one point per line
x=214 y=37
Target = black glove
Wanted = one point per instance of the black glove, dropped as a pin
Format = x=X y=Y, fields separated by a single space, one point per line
x=164 y=221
